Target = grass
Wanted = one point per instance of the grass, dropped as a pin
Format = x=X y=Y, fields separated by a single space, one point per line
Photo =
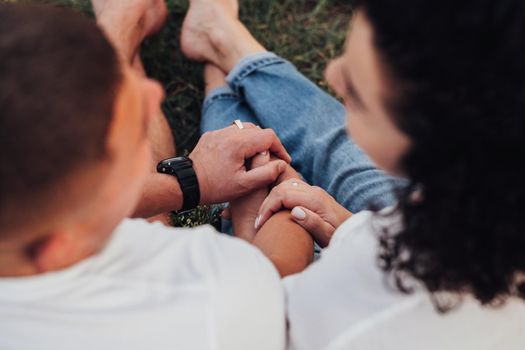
x=307 y=32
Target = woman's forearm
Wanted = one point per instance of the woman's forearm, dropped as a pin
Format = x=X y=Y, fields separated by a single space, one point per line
x=285 y=243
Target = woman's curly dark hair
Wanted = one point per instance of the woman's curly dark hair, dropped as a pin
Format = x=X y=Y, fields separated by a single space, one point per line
x=457 y=69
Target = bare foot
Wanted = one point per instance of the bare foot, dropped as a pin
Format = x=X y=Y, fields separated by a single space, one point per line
x=197 y=29
x=212 y=32
x=234 y=7
x=128 y=23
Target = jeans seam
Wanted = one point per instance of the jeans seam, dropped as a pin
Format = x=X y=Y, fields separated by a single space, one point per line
x=218 y=97
x=250 y=68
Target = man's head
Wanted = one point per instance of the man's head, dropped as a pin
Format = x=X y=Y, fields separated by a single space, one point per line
x=73 y=124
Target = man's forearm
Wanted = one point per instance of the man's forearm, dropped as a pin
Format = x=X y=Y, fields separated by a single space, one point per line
x=161 y=195
x=285 y=243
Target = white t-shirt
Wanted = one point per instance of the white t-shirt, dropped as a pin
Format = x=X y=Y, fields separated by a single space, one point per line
x=152 y=287
x=343 y=302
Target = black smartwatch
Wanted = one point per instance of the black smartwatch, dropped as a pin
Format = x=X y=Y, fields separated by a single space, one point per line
x=182 y=169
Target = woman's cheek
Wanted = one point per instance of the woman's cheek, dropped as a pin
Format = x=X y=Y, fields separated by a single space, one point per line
x=365 y=138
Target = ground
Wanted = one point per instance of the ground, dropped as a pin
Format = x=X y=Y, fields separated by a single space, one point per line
x=307 y=32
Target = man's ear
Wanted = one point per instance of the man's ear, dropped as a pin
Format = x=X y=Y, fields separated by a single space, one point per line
x=54 y=252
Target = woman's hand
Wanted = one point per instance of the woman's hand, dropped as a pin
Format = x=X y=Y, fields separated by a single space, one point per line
x=312 y=208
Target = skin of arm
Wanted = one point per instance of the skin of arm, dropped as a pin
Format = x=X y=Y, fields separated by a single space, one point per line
x=285 y=243
x=219 y=161
x=161 y=194
x=289 y=246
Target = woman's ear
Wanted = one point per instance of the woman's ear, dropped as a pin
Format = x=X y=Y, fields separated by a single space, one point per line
x=332 y=75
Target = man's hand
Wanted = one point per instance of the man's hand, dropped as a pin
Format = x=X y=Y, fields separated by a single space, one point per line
x=220 y=162
x=288 y=174
x=244 y=210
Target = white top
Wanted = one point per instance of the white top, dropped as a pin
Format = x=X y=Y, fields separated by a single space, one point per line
x=343 y=302
x=152 y=287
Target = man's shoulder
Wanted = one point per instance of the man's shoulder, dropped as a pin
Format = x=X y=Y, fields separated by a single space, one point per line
x=140 y=249
x=238 y=279
x=151 y=286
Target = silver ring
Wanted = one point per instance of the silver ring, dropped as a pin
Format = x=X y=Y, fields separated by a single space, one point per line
x=238 y=123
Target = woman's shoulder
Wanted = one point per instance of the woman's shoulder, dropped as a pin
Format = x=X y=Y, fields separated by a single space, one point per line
x=356 y=305
x=344 y=288
x=368 y=224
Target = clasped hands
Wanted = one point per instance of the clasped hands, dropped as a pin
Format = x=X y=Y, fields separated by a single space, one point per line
x=250 y=169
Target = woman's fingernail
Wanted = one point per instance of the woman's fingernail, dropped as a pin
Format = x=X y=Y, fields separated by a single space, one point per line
x=298 y=213
x=257 y=222
x=265 y=153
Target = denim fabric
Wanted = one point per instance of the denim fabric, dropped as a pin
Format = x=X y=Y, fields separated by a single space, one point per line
x=268 y=91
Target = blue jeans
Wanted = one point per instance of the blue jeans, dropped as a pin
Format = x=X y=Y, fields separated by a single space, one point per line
x=268 y=91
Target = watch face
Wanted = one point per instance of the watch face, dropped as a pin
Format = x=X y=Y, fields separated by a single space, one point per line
x=168 y=166
x=173 y=161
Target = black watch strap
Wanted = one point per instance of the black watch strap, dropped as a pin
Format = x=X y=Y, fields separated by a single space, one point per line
x=182 y=169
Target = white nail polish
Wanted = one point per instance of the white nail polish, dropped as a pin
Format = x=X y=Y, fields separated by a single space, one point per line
x=298 y=213
x=265 y=153
x=257 y=222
